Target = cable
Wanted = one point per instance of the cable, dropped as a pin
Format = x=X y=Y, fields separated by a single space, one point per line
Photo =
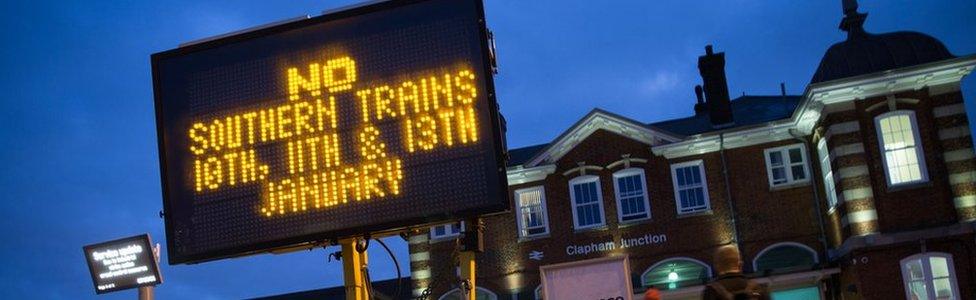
x=395 y=263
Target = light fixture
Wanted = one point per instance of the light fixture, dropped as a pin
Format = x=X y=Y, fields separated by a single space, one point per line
x=673 y=276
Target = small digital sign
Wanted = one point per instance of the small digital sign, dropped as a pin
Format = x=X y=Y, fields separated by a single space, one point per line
x=122 y=264
x=365 y=120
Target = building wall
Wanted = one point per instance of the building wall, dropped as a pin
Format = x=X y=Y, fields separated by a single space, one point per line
x=917 y=206
x=859 y=167
x=768 y=216
x=878 y=269
x=855 y=235
x=871 y=266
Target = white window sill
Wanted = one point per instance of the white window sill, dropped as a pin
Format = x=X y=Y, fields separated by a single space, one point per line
x=591 y=228
x=533 y=237
x=909 y=186
x=707 y=212
x=635 y=222
x=786 y=186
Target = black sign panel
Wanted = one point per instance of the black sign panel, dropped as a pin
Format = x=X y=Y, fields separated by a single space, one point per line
x=122 y=264
x=365 y=120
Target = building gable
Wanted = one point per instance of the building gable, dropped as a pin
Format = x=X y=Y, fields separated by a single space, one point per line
x=599 y=119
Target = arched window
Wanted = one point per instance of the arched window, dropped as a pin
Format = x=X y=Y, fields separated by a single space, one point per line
x=785 y=257
x=901 y=148
x=480 y=294
x=676 y=273
x=929 y=276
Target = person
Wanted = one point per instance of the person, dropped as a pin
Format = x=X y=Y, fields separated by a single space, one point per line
x=652 y=293
x=731 y=284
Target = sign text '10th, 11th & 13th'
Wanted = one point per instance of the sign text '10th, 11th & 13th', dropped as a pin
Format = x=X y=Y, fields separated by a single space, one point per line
x=434 y=112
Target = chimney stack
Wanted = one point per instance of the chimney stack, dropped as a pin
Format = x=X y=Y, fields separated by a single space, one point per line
x=700 y=105
x=712 y=69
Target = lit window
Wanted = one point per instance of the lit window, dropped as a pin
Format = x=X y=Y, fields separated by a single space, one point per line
x=786 y=165
x=828 y=172
x=632 y=202
x=587 y=201
x=898 y=137
x=690 y=188
x=675 y=273
x=929 y=276
x=532 y=218
x=446 y=231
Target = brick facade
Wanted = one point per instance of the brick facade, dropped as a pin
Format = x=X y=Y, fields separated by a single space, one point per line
x=862 y=237
x=856 y=248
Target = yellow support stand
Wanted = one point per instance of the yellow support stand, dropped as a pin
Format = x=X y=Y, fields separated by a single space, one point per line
x=467 y=269
x=352 y=270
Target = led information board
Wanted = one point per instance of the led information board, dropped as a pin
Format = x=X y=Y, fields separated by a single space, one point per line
x=364 y=120
x=122 y=264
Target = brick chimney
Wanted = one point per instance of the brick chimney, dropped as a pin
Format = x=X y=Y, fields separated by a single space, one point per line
x=712 y=69
x=700 y=105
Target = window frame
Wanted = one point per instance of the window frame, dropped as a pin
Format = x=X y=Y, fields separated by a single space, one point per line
x=704 y=185
x=919 y=149
x=584 y=179
x=708 y=268
x=787 y=164
x=827 y=174
x=522 y=231
x=755 y=260
x=616 y=192
x=447 y=235
x=927 y=276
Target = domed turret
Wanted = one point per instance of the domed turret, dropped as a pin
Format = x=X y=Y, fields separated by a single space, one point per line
x=865 y=53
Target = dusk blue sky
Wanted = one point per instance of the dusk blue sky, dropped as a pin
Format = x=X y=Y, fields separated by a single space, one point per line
x=79 y=160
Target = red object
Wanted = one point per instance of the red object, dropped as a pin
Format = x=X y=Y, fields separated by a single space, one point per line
x=652 y=294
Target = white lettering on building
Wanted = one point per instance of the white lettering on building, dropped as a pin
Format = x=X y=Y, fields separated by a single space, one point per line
x=645 y=240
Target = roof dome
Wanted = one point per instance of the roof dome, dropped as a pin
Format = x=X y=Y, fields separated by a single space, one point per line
x=865 y=53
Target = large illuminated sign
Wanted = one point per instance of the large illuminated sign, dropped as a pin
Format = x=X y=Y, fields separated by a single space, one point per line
x=122 y=264
x=365 y=120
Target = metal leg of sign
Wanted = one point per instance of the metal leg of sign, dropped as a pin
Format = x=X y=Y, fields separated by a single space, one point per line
x=467 y=267
x=146 y=292
x=352 y=270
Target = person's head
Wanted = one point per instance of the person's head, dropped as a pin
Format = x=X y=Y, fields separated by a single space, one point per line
x=727 y=260
x=652 y=294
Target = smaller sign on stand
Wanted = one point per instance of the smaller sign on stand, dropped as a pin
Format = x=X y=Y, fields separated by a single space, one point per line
x=123 y=264
x=605 y=278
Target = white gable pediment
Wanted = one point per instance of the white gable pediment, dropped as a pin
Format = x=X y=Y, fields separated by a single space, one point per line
x=599 y=119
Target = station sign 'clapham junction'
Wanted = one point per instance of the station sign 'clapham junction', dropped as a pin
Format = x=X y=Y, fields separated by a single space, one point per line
x=364 y=120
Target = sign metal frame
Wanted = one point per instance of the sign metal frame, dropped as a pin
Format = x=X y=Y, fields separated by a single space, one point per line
x=308 y=241
x=146 y=242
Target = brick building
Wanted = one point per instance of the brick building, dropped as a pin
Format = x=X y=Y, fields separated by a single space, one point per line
x=863 y=187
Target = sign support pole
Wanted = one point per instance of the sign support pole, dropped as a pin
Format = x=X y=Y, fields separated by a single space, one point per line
x=467 y=268
x=472 y=241
x=352 y=270
x=147 y=292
